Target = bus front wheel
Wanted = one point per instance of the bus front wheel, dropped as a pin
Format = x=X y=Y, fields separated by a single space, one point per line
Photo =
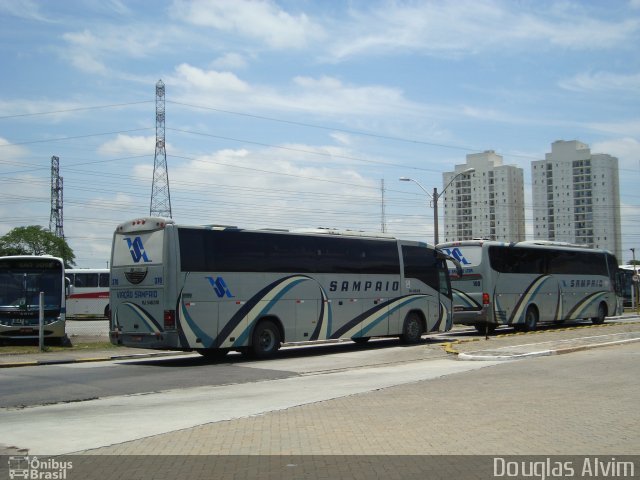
x=266 y=339
x=412 y=329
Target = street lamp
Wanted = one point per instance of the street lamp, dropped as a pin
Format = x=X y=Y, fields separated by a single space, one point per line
x=435 y=196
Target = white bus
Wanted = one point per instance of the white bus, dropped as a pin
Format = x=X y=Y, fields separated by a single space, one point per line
x=525 y=283
x=213 y=289
x=627 y=272
x=22 y=278
x=88 y=293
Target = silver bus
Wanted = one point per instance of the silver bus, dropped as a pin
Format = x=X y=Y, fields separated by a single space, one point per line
x=214 y=289
x=525 y=283
x=22 y=278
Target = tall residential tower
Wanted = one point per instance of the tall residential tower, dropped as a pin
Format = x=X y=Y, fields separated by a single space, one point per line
x=489 y=203
x=576 y=197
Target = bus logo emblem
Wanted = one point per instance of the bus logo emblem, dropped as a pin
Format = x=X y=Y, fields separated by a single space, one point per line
x=457 y=254
x=137 y=250
x=220 y=287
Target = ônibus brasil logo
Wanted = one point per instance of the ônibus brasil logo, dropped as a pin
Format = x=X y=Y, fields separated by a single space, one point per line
x=137 y=250
x=220 y=287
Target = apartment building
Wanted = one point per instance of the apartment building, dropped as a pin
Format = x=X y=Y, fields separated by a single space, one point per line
x=488 y=203
x=576 y=197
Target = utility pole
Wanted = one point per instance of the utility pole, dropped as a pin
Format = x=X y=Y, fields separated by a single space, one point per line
x=55 y=218
x=435 y=196
x=160 y=197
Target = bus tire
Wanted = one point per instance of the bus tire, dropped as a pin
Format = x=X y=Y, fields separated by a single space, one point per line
x=265 y=339
x=412 y=329
x=602 y=313
x=530 y=319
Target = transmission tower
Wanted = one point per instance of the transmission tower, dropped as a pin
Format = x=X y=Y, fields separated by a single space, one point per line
x=55 y=219
x=160 y=198
x=383 y=219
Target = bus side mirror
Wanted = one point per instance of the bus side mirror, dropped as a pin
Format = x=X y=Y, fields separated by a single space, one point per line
x=68 y=288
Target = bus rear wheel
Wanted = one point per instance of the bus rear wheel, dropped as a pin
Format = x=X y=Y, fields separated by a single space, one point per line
x=602 y=313
x=265 y=339
x=412 y=329
x=530 y=321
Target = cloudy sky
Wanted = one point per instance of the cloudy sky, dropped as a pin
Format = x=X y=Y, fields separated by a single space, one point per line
x=288 y=114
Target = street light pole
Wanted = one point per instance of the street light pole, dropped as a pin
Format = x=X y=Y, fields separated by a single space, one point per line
x=435 y=197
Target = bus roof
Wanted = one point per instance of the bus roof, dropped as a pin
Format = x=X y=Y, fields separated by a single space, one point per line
x=523 y=243
x=157 y=223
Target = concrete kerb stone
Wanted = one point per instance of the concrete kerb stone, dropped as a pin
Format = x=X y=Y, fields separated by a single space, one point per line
x=62 y=361
x=553 y=347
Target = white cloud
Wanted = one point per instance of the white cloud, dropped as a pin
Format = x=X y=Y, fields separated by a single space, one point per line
x=629 y=128
x=128 y=145
x=229 y=61
x=261 y=20
x=90 y=50
x=603 y=81
x=324 y=95
x=625 y=149
x=467 y=27
x=27 y=9
x=9 y=153
x=276 y=188
x=195 y=79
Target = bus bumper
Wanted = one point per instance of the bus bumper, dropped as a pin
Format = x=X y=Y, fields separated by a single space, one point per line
x=156 y=341
x=471 y=317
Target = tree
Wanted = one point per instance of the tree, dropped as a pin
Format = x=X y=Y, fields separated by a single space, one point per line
x=36 y=240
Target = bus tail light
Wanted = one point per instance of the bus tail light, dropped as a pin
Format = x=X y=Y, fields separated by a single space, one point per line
x=169 y=319
x=485 y=299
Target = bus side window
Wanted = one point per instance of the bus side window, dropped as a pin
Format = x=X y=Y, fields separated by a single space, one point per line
x=104 y=280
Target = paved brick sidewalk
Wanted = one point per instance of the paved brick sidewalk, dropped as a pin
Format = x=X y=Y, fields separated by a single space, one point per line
x=561 y=405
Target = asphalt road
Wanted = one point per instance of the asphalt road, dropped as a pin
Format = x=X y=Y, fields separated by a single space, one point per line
x=51 y=384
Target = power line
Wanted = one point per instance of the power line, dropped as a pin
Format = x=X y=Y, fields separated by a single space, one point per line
x=61 y=139
x=323 y=127
x=70 y=110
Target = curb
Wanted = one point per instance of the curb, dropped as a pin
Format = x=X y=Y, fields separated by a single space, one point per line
x=449 y=347
x=34 y=363
x=542 y=353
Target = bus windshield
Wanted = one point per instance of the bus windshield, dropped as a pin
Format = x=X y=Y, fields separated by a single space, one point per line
x=20 y=287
